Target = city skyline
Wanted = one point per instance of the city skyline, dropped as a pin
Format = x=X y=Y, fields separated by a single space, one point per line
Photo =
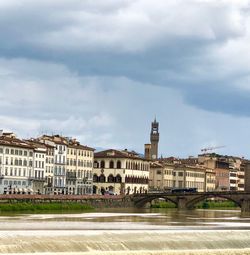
x=86 y=70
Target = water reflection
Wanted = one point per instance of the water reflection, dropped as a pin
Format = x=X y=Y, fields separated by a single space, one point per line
x=163 y=219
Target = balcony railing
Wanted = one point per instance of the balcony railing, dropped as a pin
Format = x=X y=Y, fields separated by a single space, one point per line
x=71 y=176
x=35 y=178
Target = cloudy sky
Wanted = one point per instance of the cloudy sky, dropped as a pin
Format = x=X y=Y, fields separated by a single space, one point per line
x=101 y=70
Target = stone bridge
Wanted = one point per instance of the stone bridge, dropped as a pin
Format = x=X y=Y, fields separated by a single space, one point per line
x=189 y=200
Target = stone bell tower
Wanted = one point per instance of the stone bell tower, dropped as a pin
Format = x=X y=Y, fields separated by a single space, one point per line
x=154 y=138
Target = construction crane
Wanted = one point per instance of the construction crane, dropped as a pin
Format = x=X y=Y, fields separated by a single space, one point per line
x=212 y=148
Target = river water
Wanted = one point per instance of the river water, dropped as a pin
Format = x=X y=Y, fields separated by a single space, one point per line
x=127 y=231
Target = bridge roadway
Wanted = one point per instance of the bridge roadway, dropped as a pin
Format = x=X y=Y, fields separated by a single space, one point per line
x=188 y=200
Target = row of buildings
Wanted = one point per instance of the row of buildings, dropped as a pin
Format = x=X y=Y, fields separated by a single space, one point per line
x=61 y=165
x=46 y=165
x=207 y=172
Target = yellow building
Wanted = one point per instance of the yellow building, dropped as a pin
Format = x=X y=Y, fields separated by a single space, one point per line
x=79 y=170
x=167 y=175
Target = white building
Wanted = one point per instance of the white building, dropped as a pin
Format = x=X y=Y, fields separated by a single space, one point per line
x=60 y=156
x=121 y=172
x=16 y=165
x=39 y=159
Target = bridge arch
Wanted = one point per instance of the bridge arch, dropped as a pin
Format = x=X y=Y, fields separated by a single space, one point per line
x=191 y=203
x=141 y=202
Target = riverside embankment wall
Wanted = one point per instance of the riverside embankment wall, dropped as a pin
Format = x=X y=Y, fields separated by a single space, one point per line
x=97 y=201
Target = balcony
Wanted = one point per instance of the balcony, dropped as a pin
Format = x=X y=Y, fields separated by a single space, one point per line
x=34 y=178
x=71 y=176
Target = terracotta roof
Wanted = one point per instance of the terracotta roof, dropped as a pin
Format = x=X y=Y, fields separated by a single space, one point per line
x=71 y=143
x=36 y=144
x=80 y=146
x=112 y=153
x=14 y=142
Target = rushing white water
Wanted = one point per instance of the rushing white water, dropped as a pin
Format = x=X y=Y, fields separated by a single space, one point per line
x=126 y=233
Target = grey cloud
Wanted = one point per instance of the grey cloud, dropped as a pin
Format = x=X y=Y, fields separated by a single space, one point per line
x=161 y=44
x=101 y=66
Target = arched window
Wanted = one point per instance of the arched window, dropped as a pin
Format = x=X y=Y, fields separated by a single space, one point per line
x=118 y=178
x=95 y=178
x=102 y=178
x=102 y=164
x=111 y=178
x=118 y=166
x=111 y=164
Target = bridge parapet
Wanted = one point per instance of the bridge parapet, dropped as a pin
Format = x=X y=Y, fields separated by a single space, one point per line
x=188 y=200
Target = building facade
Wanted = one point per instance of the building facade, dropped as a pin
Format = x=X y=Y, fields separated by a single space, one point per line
x=49 y=169
x=79 y=177
x=39 y=161
x=16 y=165
x=166 y=175
x=229 y=170
x=120 y=172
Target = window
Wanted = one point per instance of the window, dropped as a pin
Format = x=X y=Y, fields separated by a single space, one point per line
x=118 y=178
x=102 y=178
x=96 y=165
x=111 y=178
x=118 y=164
x=95 y=178
x=111 y=164
x=102 y=164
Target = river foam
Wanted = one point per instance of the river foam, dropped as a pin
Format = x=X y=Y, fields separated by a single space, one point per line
x=182 y=252
x=126 y=242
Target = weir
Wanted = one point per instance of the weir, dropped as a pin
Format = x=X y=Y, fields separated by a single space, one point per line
x=126 y=242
